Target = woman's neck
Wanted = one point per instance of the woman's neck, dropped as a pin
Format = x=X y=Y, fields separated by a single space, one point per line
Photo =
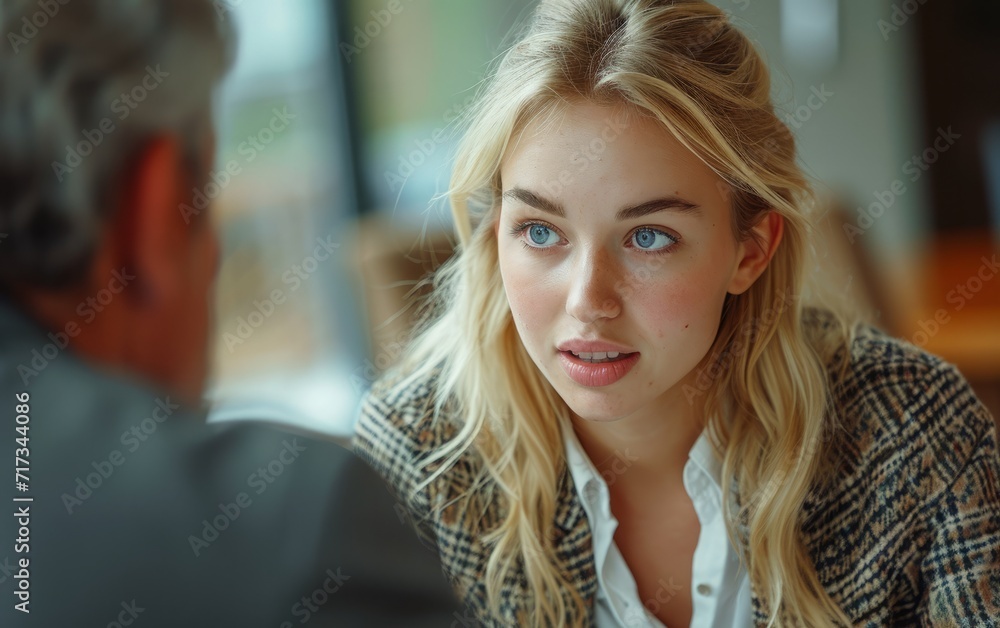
x=649 y=445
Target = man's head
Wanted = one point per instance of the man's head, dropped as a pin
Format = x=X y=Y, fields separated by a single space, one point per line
x=105 y=131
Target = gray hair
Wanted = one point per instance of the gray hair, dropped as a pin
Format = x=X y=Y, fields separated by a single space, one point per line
x=83 y=85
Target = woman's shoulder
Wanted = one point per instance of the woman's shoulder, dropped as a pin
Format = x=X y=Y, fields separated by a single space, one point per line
x=398 y=398
x=882 y=364
x=915 y=486
x=396 y=426
x=898 y=401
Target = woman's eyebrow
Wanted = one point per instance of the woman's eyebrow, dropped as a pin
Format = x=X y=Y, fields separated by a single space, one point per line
x=668 y=203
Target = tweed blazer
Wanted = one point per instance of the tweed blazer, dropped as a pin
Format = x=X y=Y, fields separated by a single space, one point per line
x=909 y=534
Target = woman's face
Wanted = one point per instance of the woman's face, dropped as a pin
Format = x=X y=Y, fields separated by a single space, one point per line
x=611 y=231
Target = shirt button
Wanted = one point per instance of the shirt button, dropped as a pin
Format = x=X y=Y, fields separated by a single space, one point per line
x=704 y=589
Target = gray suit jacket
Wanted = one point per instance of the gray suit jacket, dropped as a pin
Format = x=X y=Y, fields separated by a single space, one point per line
x=142 y=512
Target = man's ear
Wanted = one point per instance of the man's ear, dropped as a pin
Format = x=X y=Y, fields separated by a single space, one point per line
x=754 y=253
x=154 y=234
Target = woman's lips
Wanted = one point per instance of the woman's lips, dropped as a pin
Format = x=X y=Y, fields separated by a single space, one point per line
x=596 y=374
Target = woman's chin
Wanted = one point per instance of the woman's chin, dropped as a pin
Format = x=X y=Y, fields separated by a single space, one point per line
x=596 y=412
x=594 y=404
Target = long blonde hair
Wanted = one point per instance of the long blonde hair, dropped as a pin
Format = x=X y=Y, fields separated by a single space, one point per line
x=770 y=383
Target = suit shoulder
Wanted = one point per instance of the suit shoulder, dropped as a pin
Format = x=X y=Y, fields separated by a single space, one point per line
x=901 y=403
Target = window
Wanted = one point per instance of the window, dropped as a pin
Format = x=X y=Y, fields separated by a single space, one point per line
x=284 y=308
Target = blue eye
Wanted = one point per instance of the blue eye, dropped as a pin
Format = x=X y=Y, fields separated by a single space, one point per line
x=538 y=234
x=647 y=239
x=542 y=236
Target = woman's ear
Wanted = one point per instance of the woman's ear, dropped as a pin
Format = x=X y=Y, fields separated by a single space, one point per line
x=755 y=252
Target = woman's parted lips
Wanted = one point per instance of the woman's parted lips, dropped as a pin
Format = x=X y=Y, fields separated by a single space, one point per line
x=577 y=345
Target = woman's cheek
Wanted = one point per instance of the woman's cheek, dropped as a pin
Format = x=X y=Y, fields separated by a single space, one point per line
x=527 y=293
x=673 y=305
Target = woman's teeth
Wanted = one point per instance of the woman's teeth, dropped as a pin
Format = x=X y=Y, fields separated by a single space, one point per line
x=600 y=356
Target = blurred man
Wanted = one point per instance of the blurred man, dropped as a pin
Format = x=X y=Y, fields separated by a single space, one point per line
x=122 y=505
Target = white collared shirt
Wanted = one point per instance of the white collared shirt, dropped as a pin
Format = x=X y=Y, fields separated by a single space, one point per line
x=720 y=593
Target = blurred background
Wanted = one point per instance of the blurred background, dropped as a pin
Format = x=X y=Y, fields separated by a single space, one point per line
x=333 y=217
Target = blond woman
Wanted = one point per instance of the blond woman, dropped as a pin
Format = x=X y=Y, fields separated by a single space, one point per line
x=626 y=404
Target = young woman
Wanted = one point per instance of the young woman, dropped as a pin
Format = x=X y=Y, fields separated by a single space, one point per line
x=624 y=405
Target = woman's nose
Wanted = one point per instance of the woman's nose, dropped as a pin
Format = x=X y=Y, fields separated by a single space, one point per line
x=593 y=287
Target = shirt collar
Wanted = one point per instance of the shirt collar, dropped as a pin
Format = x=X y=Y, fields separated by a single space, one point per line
x=703 y=455
x=580 y=466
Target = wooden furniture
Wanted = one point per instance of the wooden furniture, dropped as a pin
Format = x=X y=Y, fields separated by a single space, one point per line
x=957 y=312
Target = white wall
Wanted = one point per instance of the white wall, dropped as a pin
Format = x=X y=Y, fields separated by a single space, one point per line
x=858 y=141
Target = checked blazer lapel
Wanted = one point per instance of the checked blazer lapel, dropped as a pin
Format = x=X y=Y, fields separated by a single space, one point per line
x=574 y=541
